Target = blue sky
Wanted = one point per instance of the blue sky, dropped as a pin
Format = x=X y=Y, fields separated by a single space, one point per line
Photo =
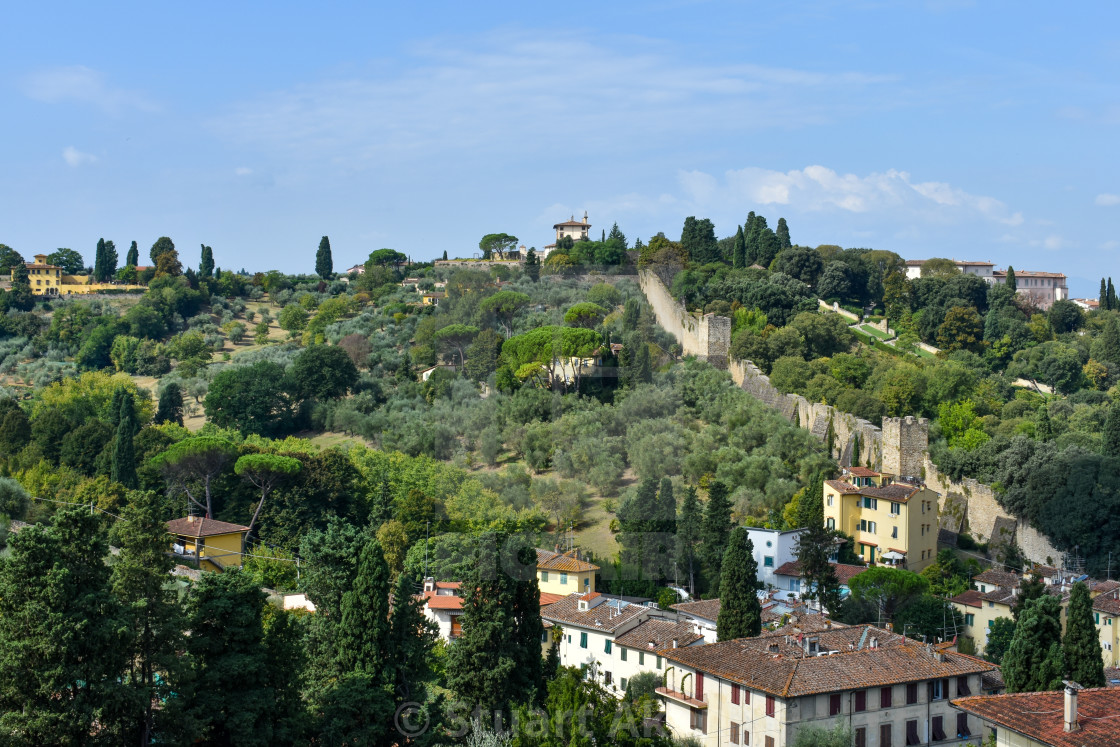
x=972 y=130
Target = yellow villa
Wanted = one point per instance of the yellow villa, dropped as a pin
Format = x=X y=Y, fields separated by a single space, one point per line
x=213 y=545
x=893 y=523
x=49 y=280
x=1106 y=614
x=564 y=572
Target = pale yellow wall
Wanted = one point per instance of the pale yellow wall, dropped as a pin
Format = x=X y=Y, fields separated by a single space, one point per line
x=550 y=582
x=915 y=525
x=1108 y=630
x=982 y=618
x=51 y=282
x=213 y=552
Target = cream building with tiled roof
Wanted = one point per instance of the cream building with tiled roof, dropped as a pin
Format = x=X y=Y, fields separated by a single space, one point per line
x=1070 y=718
x=564 y=572
x=1106 y=615
x=891 y=690
x=892 y=523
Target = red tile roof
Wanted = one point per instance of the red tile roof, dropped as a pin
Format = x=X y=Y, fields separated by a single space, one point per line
x=547 y=599
x=898 y=492
x=197 y=526
x=1002 y=579
x=895 y=661
x=845 y=572
x=654 y=635
x=970 y=598
x=437 y=602
x=566 y=562
x=1109 y=603
x=1041 y=716
x=861 y=472
x=605 y=616
x=707 y=609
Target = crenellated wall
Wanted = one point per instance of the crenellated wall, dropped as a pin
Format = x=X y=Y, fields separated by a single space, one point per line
x=900 y=447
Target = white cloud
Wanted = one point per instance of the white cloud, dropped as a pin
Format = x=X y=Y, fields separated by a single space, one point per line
x=1109 y=246
x=75 y=157
x=1107 y=199
x=819 y=188
x=83 y=85
x=243 y=171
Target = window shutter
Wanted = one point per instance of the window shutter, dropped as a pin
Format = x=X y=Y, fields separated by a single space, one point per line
x=834 y=704
x=735 y=696
x=699 y=685
x=884 y=735
x=861 y=700
x=885 y=697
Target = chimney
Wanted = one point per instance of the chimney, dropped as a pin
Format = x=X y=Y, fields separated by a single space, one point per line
x=1071 y=706
x=674 y=643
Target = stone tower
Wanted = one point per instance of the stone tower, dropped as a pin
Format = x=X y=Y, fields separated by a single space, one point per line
x=905 y=442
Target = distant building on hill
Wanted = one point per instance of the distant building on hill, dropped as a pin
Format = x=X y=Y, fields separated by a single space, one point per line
x=574 y=229
x=1043 y=288
x=49 y=280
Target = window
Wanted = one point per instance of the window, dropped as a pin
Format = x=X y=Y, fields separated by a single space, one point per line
x=896 y=509
x=938 y=689
x=861 y=736
x=734 y=695
x=885 y=694
x=641 y=658
x=699 y=720
x=768 y=561
x=969 y=619
x=658 y=663
x=769 y=741
x=734 y=733
x=828 y=501
x=912 y=732
x=834 y=704
x=962 y=726
x=607 y=647
x=544 y=577
x=623 y=682
x=1097 y=618
x=607 y=678
x=938 y=728
x=894 y=532
x=872 y=503
x=564 y=579
x=795 y=585
x=699 y=685
x=861 y=701
x=770 y=705
x=884 y=735
x=831 y=524
x=912 y=693
x=587 y=582
x=991 y=605
x=456 y=627
x=583 y=640
x=962 y=687
x=622 y=651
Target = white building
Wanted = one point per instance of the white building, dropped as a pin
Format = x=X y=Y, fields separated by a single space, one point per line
x=772 y=549
x=1042 y=288
x=571 y=228
x=443 y=606
x=891 y=691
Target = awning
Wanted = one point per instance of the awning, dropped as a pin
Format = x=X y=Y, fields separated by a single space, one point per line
x=892 y=555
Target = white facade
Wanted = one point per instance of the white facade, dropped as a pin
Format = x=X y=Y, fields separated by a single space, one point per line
x=773 y=549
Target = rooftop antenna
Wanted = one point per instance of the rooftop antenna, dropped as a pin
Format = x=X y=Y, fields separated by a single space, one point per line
x=426 y=523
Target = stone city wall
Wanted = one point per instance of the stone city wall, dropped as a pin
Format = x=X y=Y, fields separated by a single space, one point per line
x=900 y=447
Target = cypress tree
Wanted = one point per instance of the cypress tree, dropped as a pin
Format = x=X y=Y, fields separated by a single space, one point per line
x=532 y=264
x=643 y=367
x=133 y=257
x=739 y=249
x=637 y=518
x=99 y=260
x=152 y=618
x=689 y=527
x=1081 y=646
x=227 y=695
x=444 y=255
x=170 y=408
x=716 y=528
x=364 y=633
x=1112 y=304
x=1029 y=590
x=497 y=661
x=1102 y=298
x=782 y=232
x=60 y=645
x=1044 y=430
x=109 y=262
x=1033 y=661
x=740 y=614
x=324 y=264
x=1012 y=283
x=124 y=453
x=1110 y=442
x=206 y=263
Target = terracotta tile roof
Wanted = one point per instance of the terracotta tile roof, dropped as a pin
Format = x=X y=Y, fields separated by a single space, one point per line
x=897 y=491
x=448 y=584
x=1002 y=579
x=1112 y=676
x=576 y=223
x=1109 y=603
x=845 y=572
x=861 y=472
x=806 y=624
x=197 y=526
x=992 y=680
x=1102 y=587
x=654 y=635
x=790 y=676
x=605 y=616
x=970 y=598
x=707 y=609
x=566 y=562
x=1041 y=716
x=438 y=602
x=547 y=598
